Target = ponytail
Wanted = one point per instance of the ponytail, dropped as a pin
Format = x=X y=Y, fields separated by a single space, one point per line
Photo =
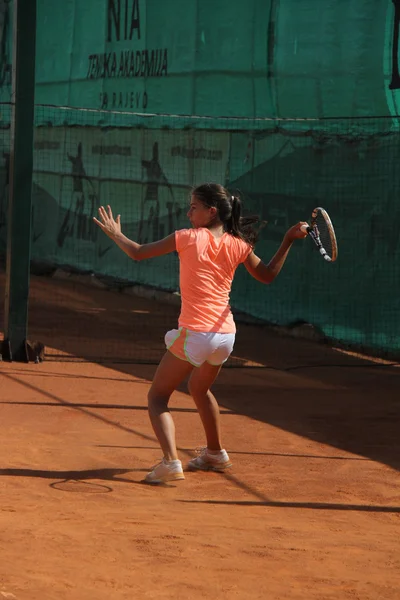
x=241 y=227
x=233 y=223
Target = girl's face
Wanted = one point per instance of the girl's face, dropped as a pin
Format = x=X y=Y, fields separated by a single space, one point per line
x=200 y=215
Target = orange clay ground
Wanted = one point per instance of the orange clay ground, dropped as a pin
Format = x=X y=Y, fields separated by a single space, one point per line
x=309 y=511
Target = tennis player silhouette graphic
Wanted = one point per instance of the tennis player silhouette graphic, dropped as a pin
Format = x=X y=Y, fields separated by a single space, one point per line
x=149 y=224
x=76 y=223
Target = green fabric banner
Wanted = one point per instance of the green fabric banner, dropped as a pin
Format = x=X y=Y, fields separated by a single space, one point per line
x=259 y=58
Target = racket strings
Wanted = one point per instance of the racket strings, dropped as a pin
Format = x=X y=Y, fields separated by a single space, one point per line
x=323 y=234
x=322 y=229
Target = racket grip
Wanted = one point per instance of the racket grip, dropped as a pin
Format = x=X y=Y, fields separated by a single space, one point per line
x=305 y=228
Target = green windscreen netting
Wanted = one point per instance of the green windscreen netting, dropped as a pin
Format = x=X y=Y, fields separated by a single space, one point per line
x=145 y=167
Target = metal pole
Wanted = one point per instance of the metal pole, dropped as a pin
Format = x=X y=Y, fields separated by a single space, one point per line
x=20 y=189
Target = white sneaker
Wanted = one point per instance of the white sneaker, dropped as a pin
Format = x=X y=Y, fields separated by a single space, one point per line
x=210 y=462
x=165 y=471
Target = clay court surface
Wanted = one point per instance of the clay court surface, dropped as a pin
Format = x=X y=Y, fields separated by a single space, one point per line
x=310 y=509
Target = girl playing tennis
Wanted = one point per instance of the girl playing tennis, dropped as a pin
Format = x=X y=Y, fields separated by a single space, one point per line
x=209 y=253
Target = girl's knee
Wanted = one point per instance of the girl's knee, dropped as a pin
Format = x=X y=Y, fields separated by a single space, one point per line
x=197 y=390
x=157 y=400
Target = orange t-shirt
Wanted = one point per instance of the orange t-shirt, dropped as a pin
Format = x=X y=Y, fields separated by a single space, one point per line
x=207 y=268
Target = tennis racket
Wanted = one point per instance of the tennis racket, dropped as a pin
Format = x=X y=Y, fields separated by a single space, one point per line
x=322 y=234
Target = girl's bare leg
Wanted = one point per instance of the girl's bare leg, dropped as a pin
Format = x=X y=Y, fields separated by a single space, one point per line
x=169 y=375
x=200 y=382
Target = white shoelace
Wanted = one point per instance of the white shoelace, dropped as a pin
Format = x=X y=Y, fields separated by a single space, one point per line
x=200 y=450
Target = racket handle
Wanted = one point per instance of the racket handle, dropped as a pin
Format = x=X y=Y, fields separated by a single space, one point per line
x=305 y=228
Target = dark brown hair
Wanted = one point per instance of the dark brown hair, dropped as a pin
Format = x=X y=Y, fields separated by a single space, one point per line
x=229 y=210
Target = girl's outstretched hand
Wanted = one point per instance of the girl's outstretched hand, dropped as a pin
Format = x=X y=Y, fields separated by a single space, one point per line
x=297 y=232
x=107 y=223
